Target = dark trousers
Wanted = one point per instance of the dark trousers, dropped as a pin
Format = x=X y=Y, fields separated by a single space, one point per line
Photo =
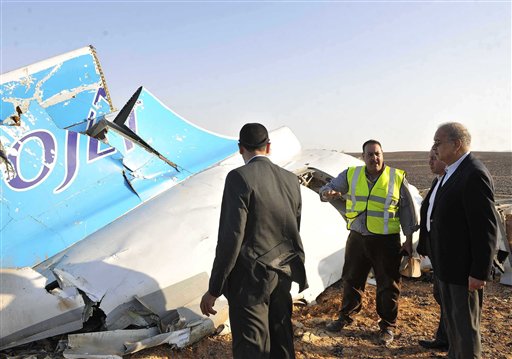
x=441 y=335
x=264 y=330
x=462 y=310
x=382 y=252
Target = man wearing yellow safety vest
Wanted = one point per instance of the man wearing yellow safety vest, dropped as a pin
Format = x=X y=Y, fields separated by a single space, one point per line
x=378 y=202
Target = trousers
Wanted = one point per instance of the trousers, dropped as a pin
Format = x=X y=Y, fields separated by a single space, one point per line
x=441 y=335
x=264 y=330
x=462 y=310
x=382 y=253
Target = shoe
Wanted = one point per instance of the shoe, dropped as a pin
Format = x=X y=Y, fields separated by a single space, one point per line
x=386 y=336
x=433 y=344
x=336 y=325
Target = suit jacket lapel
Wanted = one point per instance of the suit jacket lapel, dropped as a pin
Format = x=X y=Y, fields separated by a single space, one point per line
x=429 y=193
x=446 y=184
x=425 y=203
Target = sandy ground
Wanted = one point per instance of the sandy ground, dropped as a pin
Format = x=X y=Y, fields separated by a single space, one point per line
x=418 y=318
x=418 y=313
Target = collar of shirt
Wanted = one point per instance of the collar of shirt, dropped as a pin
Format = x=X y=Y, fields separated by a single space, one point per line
x=370 y=177
x=453 y=167
x=253 y=157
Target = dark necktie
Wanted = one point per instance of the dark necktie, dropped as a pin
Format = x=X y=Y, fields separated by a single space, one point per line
x=439 y=184
x=442 y=181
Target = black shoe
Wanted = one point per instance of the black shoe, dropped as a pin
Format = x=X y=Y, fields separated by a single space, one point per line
x=386 y=336
x=336 y=325
x=433 y=344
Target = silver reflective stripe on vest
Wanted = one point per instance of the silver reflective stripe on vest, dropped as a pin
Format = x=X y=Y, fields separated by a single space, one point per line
x=353 y=186
x=379 y=214
x=381 y=200
x=376 y=199
x=389 y=196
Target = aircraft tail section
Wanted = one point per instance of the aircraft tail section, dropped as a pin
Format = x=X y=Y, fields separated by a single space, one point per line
x=70 y=166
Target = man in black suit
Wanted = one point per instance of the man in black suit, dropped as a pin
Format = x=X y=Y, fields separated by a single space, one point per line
x=259 y=251
x=437 y=167
x=463 y=234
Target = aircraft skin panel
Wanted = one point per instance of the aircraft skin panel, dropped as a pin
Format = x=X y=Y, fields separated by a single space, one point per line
x=192 y=148
x=146 y=174
x=184 y=119
x=65 y=76
x=54 y=197
x=21 y=72
x=82 y=100
x=323 y=262
x=70 y=87
x=188 y=145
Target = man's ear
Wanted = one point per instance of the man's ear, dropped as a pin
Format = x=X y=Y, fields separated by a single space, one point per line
x=458 y=145
x=241 y=149
x=267 y=148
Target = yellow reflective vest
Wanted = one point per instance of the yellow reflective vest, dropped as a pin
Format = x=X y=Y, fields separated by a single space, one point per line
x=380 y=205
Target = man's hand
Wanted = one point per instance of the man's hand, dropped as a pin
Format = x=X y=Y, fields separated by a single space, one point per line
x=207 y=303
x=407 y=246
x=475 y=284
x=329 y=195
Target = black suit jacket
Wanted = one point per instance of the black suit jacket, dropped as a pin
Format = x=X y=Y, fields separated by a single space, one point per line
x=463 y=228
x=423 y=247
x=258 y=232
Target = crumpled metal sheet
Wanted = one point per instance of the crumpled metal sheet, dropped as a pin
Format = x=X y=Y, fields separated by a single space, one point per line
x=29 y=312
x=108 y=344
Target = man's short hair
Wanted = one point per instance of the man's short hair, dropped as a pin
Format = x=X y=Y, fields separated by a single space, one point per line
x=457 y=131
x=372 y=142
x=253 y=136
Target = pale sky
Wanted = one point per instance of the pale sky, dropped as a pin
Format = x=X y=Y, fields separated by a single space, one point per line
x=336 y=73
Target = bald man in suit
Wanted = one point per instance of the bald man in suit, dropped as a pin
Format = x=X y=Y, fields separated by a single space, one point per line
x=463 y=234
